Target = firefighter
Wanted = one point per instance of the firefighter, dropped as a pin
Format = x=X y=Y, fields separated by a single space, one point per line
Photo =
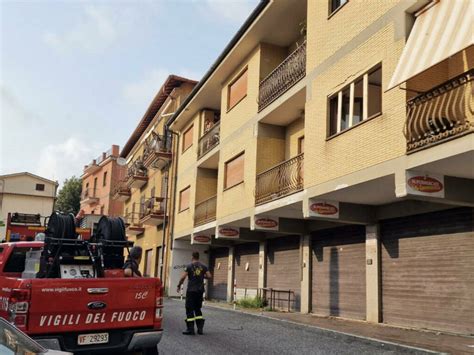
x=196 y=272
x=130 y=267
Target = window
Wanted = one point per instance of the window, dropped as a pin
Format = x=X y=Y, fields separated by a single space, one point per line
x=356 y=102
x=188 y=138
x=101 y=210
x=301 y=145
x=39 y=187
x=16 y=260
x=104 y=181
x=237 y=90
x=234 y=171
x=95 y=185
x=148 y=262
x=335 y=5
x=157 y=262
x=184 y=199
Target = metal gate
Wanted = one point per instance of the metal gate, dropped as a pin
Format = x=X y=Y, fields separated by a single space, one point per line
x=428 y=271
x=218 y=266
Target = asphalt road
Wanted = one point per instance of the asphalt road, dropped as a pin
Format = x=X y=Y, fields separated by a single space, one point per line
x=228 y=332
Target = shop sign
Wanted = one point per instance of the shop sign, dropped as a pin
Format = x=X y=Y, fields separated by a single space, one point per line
x=425 y=184
x=201 y=239
x=325 y=209
x=267 y=223
x=228 y=232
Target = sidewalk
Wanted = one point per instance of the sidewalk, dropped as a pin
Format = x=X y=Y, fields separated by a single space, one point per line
x=424 y=339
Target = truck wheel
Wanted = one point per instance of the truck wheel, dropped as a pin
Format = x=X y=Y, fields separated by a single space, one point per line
x=150 y=351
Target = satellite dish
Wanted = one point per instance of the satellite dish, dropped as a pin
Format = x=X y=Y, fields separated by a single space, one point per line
x=121 y=161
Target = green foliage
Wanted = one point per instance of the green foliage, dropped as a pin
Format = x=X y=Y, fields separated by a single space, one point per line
x=69 y=197
x=254 y=302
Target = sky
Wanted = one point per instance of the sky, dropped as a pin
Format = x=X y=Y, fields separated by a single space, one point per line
x=77 y=76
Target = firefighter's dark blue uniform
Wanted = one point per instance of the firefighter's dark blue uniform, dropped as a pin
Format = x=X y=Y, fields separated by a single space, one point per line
x=194 y=296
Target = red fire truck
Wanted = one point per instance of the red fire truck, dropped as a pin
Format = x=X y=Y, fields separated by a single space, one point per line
x=71 y=294
x=25 y=227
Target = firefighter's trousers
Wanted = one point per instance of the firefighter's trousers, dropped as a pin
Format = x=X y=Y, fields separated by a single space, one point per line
x=193 y=306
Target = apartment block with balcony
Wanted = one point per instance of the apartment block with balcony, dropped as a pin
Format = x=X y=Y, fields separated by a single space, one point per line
x=343 y=178
x=145 y=188
x=100 y=179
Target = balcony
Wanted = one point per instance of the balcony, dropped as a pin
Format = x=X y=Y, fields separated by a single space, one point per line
x=152 y=212
x=205 y=211
x=121 y=192
x=92 y=167
x=284 y=179
x=283 y=77
x=89 y=197
x=132 y=225
x=443 y=113
x=137 y=175
x=209 y=140
x=157 y=151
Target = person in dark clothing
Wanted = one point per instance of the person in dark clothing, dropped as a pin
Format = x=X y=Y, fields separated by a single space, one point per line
x=130 y=266
x=196 y=272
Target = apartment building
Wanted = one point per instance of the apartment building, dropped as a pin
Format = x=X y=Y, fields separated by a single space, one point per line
x=149 y=177
x=25 y=193
x=326 y=162
x=100 y=180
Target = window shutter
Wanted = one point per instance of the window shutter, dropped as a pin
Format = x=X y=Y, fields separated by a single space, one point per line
x=234 y=171
x=237 y=90
x=184 y=199
x=188 y=138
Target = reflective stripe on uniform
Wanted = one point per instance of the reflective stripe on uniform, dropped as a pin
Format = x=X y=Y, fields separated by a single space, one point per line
x=190 y=319
x=198 y=317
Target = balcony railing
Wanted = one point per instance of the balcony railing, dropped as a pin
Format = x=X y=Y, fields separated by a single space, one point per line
x=441 y=114
x=137 y=174
x=283 y=77
x=209 y=140
x=132 y=224
x=121 y=192
x=156 y=147
x=152 y=211
x=205 y=211
x=283 y=179
x=89 y=196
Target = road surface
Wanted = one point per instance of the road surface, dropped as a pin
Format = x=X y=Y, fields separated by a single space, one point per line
x=228 y=332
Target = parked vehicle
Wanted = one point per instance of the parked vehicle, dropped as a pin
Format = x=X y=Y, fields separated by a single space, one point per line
x=71 y=295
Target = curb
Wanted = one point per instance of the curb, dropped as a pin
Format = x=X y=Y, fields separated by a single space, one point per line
x=207 y=304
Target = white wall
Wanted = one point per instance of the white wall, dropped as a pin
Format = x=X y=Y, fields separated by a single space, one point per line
x=180 y=257
x=18 y=194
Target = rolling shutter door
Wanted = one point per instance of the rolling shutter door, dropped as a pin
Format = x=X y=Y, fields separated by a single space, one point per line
x=428 y=271
x=246 y=269
x=218 y=266
x=338 y=272
x=283 y=269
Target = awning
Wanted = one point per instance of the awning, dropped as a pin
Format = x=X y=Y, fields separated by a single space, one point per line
x=438 y=33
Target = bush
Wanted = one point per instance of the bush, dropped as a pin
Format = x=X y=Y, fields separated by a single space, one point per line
x=254 y=302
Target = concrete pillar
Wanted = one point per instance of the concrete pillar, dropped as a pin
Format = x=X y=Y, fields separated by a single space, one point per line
x=230 y=276
x=372 y=275
x=262 y=254
x=305 y=273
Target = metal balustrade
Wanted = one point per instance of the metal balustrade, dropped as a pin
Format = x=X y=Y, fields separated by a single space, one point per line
x=442 y=113
x=283 y=179
x=283 y=77
x=205 y=211
x=156 y=146
x=209 y=140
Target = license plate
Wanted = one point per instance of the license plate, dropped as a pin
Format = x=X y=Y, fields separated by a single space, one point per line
x=96 y=338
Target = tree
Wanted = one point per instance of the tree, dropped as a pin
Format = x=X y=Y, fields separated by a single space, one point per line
x=69 y=197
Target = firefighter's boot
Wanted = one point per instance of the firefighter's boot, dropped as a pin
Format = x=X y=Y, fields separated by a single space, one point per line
x=189 y=327
x=200 y=326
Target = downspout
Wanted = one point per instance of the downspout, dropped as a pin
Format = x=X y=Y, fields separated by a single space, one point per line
x=171 y=200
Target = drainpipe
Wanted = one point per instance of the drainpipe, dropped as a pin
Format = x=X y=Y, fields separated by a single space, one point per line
x=171 y=200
